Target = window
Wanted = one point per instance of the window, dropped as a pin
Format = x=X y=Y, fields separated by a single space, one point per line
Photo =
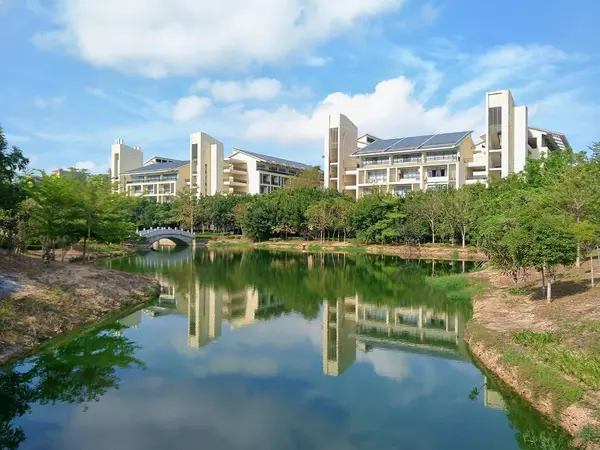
x=377 y=177
x=401 y=190
x=443 y=156
x=153 y=178
x=495 y=127
x=375 y=161
x=206 y=178
x=194 y=151
x=436 y=172
x=409 y=174
x=404 y=159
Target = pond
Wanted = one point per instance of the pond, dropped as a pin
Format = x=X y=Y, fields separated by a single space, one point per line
x=262 y=350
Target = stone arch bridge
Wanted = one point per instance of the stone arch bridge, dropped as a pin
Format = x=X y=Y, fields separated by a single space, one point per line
x=176 y=235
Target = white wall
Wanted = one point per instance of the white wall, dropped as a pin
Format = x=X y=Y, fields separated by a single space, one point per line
x=253 y=174
x=123 y=159
x=210 y=155
x=521 y=136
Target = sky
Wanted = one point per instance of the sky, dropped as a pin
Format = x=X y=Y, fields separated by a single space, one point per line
x=263 y=75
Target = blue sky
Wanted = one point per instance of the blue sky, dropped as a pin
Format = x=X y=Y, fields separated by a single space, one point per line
x=263 y=75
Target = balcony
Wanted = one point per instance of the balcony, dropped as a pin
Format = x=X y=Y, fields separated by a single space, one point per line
x=235 y=170
x=441 y=158
x=407 y=162
x=231 y=181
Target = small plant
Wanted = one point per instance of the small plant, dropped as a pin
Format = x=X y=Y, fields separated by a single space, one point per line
x=530 y=338
x=590 y=434
x=454 y=254
x=518 y=291
x=546 y=441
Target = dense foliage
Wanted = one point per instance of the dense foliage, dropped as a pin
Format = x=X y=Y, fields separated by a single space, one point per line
x=546 y=216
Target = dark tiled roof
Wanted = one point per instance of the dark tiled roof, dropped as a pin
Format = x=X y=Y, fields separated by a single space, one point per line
x=425 y=142
x=275 y=160
x=159 y=167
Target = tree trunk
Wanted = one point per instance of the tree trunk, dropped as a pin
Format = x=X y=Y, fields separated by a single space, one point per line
x=432 y=233
x=592 y=268
x=464 y=238
x=543 y=281
x=549 y=290
x=578 y=259
x=85 y=238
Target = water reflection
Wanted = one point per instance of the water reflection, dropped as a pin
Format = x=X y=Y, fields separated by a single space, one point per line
x=373 y=357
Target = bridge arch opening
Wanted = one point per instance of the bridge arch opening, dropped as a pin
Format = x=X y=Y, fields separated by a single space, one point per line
x=168 y=242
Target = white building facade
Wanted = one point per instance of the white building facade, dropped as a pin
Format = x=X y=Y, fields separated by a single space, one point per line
x=358 y=165
x=206 y=173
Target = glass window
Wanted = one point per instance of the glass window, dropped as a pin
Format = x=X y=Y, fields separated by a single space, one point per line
x=379 y=176
x=443 y=156
x=375 y=161
x=409 y=173
x=404 y=159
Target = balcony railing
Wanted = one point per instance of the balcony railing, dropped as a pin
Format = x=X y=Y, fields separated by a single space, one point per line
x=431 y=158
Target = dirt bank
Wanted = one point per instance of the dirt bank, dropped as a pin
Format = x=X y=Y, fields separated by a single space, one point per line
x=548 y=352
x=441 y=252
x=49 y=299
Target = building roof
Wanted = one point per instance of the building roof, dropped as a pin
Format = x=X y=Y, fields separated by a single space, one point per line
x=405 y=144
x=158 y=167
x=274 y=159
x=559 y=138
x=160 y=157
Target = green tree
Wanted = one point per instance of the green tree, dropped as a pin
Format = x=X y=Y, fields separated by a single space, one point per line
x=55 y=210
x=575 y=191
x=311 y=178
x=185 y=209
x=458 y=210
x=429 y=205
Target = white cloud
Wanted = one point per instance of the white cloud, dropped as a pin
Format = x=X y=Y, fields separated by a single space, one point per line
x=431 y=75
x=317 y=61
x=234 y=91
x=191 y=107
x=165 y=37
x=87 y=165
x=510 y=63
x=429 y=13
x=47 y=102
x=393 y=109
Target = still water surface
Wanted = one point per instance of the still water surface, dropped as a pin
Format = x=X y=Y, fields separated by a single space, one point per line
x=259 y=350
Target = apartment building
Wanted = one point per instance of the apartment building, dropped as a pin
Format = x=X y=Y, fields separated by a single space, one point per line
x=158 y=179
x=254 y=173
x=359 y=165
x=206 y=164
x=207 y=172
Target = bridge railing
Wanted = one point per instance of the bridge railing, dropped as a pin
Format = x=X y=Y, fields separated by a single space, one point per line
x=165 y=231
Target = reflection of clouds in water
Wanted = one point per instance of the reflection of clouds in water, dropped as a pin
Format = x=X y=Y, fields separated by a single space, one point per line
x=394 y=365
x=236 y=364
x=211 y=415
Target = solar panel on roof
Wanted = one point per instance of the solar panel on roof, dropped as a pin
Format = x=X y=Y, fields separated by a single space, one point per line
x=444 y=139
x=377 y=146
x=276 y=160
x=559 y=141
x=410 y=142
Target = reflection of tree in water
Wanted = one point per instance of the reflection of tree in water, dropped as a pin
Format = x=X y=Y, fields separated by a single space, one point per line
x=530 y=426
x=79 y=371
x=15 y=395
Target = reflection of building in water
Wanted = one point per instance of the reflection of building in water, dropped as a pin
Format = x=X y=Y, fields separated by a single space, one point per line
x=350 y=323
x=339 y=344
x=491 y=397
x=130 y=321
x=205 y=313
x=209 y=307
x=416 y=329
